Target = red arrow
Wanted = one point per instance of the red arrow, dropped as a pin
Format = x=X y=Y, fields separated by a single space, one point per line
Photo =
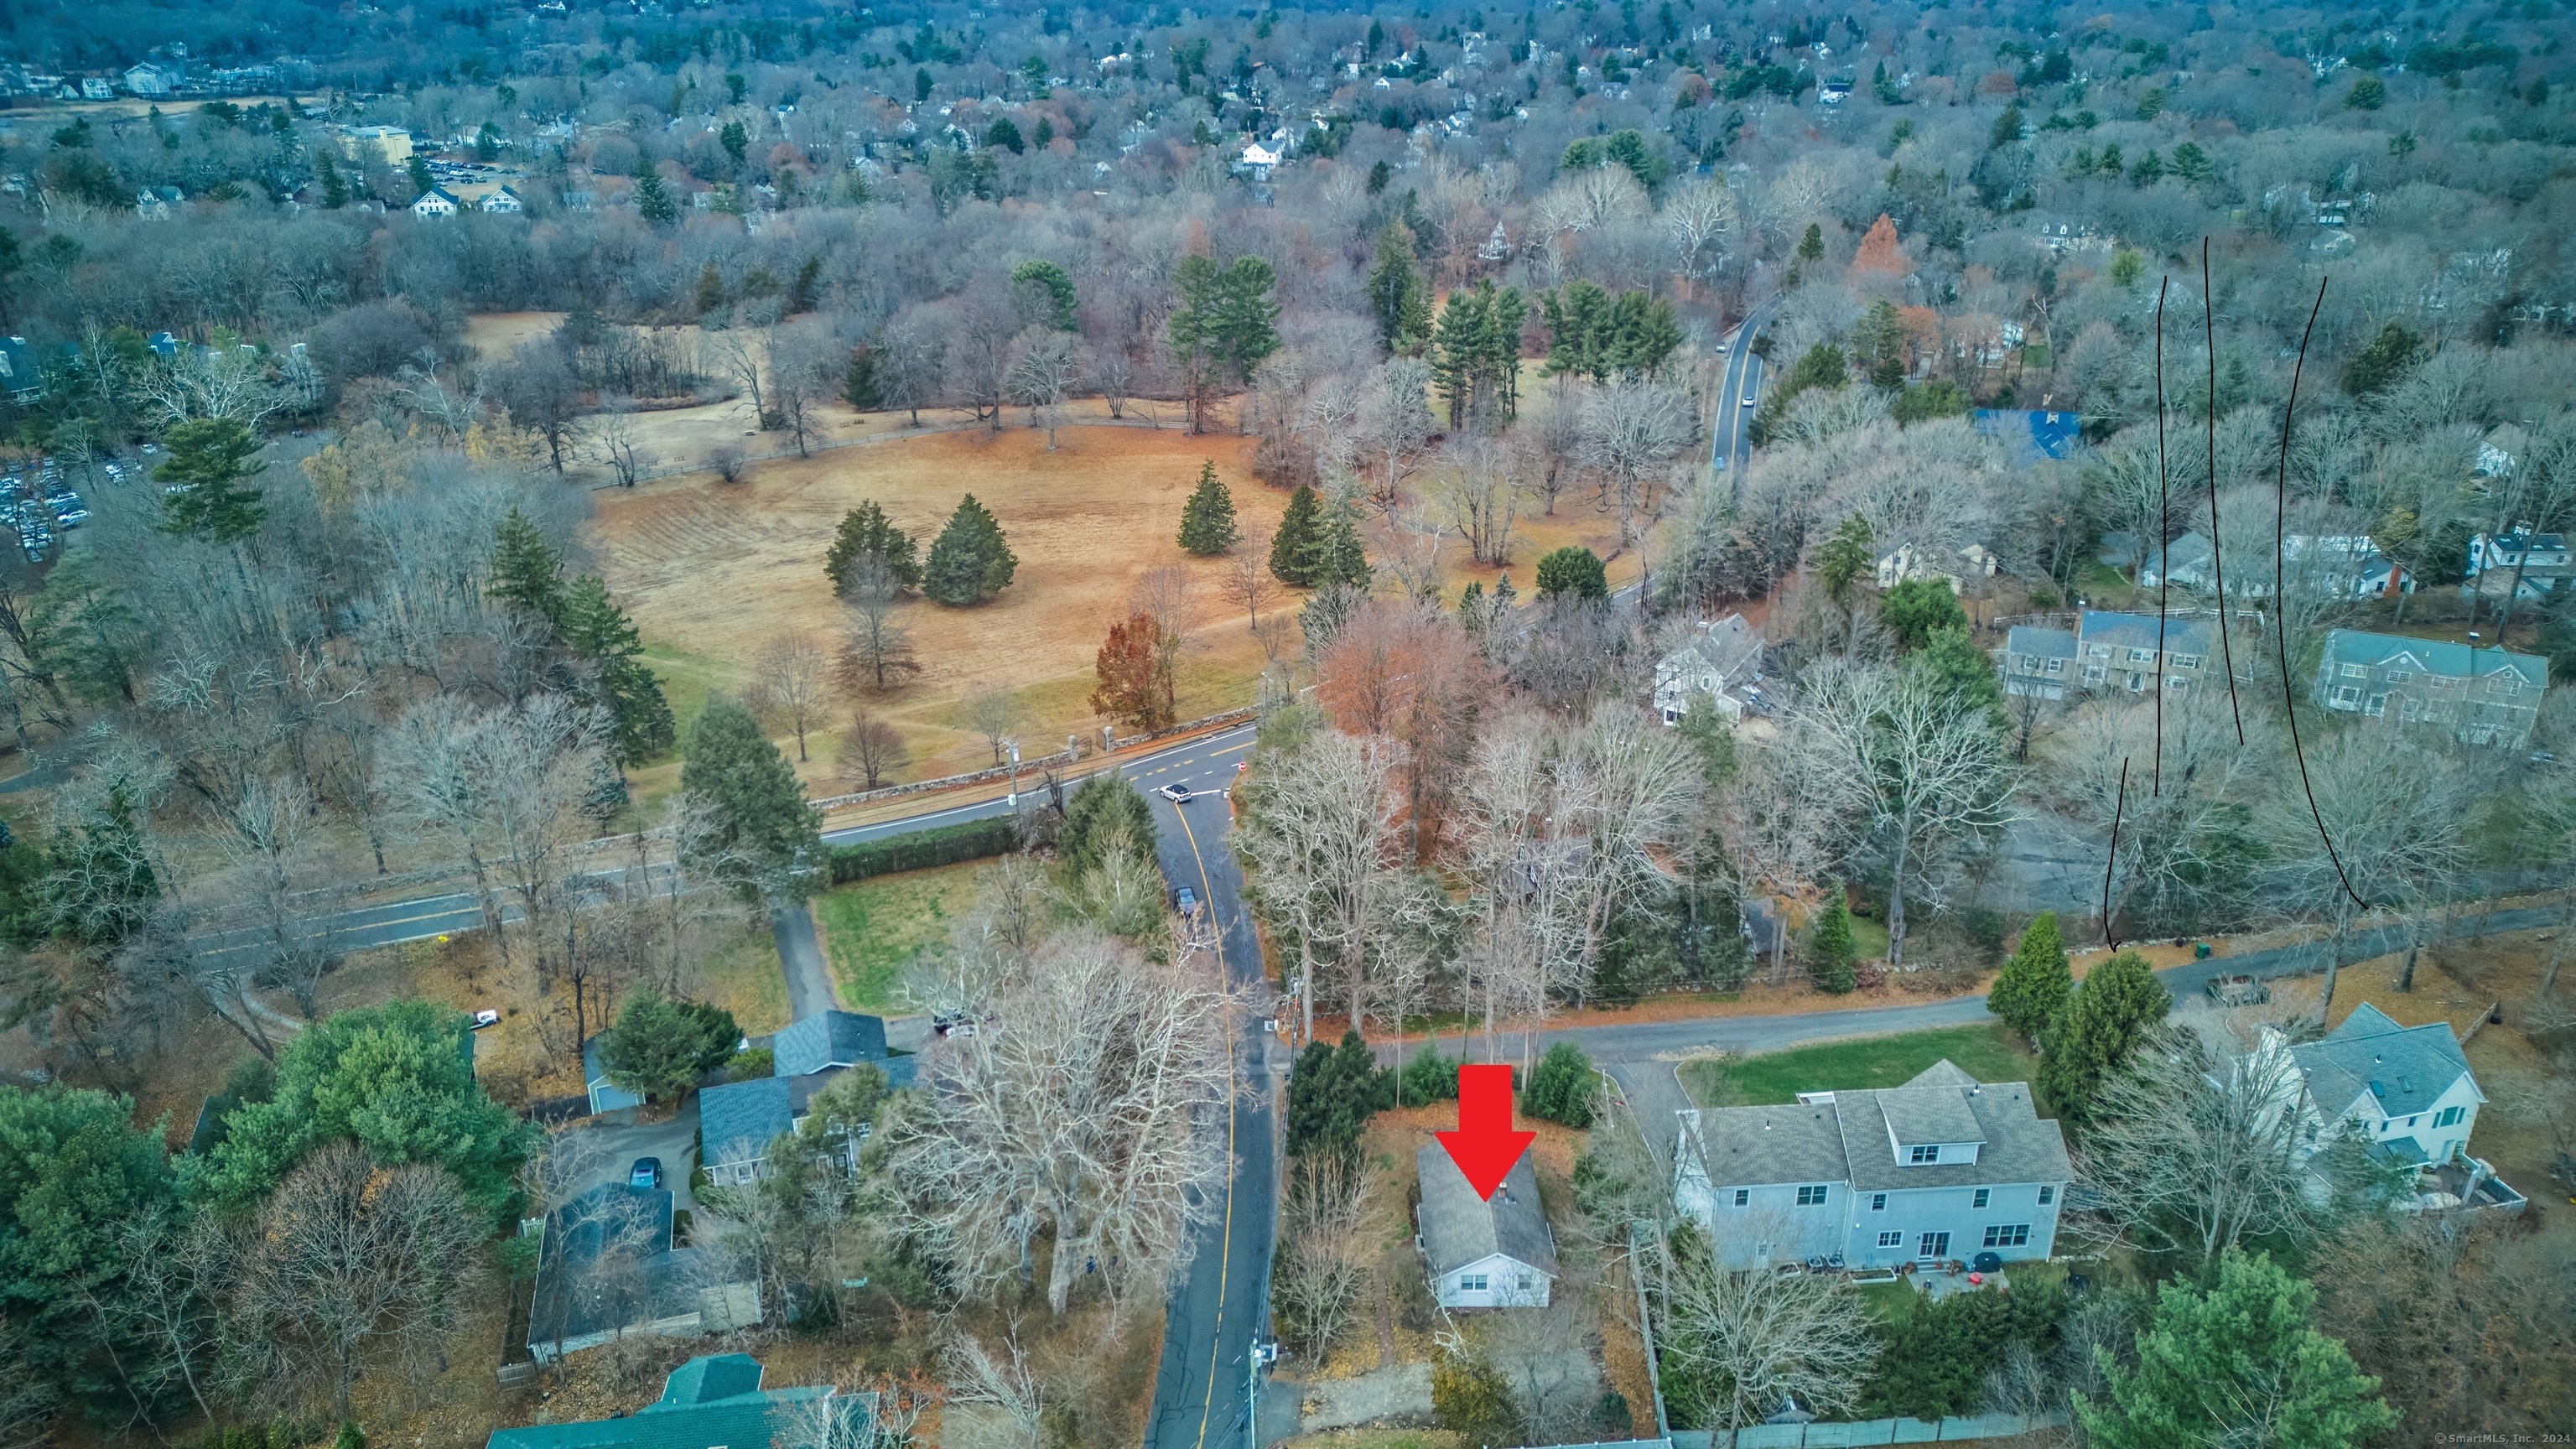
x=1485 y=1146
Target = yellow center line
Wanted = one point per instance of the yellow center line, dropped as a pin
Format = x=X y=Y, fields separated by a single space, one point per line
x=1225 y=1238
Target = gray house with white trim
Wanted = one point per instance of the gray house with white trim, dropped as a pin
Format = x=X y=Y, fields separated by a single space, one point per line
x=2481 y=696
x=1483 y=1254
x=1943 y=1167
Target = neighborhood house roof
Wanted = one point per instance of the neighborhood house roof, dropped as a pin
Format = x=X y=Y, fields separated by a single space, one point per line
x=2031 y=639
x=2051 y=435
x=2138 y=631
x=753 y=1113
x=2433 y=656
x=827 y=1039
x=2406 y=1068
x=710 y=1402
x=1459 y=1228
x=1847 y=1138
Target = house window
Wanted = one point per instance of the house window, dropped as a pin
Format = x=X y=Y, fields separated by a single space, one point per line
x=1878 y=1202
x=2007 y=1235
x=2345 y=696
x=2449 y=1116
x=2142 y=656
x=1934 y=1245
x=2400 y=676
x=1891 y=1240
x=1471 y=1282
x=1811 y=1197
x=2356 y=671
x=2093 y=674
x=2056 y=666
x=1923 y=1154
x=2047 y=1195
x=2378 y=706
x=1743 y=1195
x=2186 y=661
x=2411 y=1120
x=2098 y=651
x=1981 y=1197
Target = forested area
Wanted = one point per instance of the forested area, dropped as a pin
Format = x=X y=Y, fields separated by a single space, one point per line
x=331 y=623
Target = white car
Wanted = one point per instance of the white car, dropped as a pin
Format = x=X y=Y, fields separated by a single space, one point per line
x=1748 y=397
x=486 y=1018
x=1177 y=794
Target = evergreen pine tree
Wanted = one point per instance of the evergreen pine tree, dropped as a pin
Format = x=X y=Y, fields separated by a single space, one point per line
x=1459 y=348
x=1396 y=293
x=209 y=458
x=2033 y=986
x=1833 y=944
x=1292 y=548
x=2093 y=1035
x=335 y=191
x=1811 y=247
x=762 y=831
x=711 y=290
x=1339 y=556
x=1573 y=570
x=859 y=385
x=866 y=532
x=972 y=560
x=1207 y=519
x=1471 y=607
x=596 y=630
x=1101 y=811
x=2239 y=1361
x=526 y=570
x=653 y=199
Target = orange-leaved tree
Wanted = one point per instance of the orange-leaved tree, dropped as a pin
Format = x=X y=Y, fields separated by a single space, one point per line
x=1137 y=673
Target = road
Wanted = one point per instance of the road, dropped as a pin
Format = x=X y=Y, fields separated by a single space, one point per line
x=1730 y=440
x=1202 y=1388
x=423 y=917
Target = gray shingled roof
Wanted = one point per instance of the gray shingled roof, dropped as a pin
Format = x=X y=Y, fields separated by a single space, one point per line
x=2020 y=1145
x=2045 y=643
x=1923 y=1115
x=752 y=1112
x=1743 y=1146
x=1458 y=1228
x=2433 y=656
x=827 y=1039
x=2138 y=631
x=1846 y=1140
x=2407 y=1067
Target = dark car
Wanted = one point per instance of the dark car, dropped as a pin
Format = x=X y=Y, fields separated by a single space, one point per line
x=647 y=1172
x=1188 y=900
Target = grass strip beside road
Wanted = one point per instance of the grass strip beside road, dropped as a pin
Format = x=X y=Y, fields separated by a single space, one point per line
x=1989 y=1053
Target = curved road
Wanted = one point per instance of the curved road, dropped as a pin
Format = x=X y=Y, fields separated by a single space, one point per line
x=1730 y=434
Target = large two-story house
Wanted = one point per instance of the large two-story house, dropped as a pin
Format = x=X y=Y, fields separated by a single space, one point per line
x=1942 y=1167
x=2481 y=696
x=2408 y=1089
x=1720 y=662
x=2105 y=650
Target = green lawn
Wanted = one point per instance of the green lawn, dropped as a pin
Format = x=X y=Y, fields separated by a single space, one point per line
x=872 y=928
x=1988 y=1053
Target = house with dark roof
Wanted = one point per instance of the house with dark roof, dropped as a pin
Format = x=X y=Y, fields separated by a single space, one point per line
x=1483 y=1253
x=2327 y=565
x=608 y=1267
x=605 y=1095
x=2481 y=696
x=2034 y=432
x=2039 y=660
x=737 y=1121
x=1942 y=1167
x=715 y=1401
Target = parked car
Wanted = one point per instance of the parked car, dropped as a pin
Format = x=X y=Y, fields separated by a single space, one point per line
x=1177 y=794
x=1188 y=899
x=647 y=1172
x=486 y=1017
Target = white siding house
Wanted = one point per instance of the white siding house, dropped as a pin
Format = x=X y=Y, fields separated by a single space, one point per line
x=1942 y=1168
x=2409 y=1089
x=433 y=202
x=1483 y=1254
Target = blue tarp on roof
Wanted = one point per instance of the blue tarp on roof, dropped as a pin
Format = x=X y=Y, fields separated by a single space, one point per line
x=2050 y=434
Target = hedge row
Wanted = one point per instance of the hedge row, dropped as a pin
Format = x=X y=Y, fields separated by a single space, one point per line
x=922 y=849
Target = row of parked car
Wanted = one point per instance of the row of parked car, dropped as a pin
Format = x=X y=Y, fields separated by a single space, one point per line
x=37 y=507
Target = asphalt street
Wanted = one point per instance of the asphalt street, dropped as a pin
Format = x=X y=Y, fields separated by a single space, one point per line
x=1203 y=1387
x=1730 y=435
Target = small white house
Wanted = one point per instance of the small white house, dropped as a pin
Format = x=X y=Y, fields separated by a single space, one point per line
x=1483 y=1254
x=1256 y=162
x=1909 y=562
x=433 y=202
x=504 y=202
x=151 y=79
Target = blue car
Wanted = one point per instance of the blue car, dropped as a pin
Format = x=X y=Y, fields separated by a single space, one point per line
x=1188 y=900
x=647 y=1172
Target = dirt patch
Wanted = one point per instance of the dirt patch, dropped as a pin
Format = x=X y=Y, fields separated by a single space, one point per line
x=711 y=571
x=495 y=335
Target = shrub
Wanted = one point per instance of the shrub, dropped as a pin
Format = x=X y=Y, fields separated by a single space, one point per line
x=922 y=849
x=1564 y=1088
x=1574 y=570
x=1429 y=1077
x=1832 y=945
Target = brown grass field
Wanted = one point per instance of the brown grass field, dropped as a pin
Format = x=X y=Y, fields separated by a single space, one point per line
x=712 y=571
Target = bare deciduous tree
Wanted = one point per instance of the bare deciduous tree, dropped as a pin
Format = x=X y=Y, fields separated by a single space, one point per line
x=621 y=445
x=1478 y=494
x=1756 y=1337
x=1324 y=1250
x=1246 y=576
x=871 y=751
x=1322 y=839
x=1631 y=429
x=793 y=681
x=1094 y=1117
x=993 y=712
x=875 y=650
x=1046 y=366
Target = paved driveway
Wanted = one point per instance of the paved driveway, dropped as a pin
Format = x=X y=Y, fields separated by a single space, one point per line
x=607 y=1147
